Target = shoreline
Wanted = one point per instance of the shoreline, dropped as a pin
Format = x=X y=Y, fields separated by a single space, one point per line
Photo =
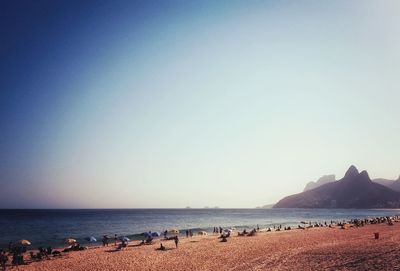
x=323 y=248
x=55 y=226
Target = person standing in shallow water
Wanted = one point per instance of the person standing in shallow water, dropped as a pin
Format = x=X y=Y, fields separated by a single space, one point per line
x=176 y=240
x=187 y=233
x=115 y=240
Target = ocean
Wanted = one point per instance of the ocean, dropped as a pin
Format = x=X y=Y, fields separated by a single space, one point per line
x=51 y=227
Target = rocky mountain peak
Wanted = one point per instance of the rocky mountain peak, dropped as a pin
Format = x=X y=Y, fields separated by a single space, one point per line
x=351 y=172
x=364 y=176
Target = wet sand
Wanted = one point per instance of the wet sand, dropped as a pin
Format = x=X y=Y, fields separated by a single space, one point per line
x=311 y=249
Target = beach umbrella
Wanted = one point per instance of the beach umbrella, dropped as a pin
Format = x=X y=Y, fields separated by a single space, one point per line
x=147 y=234
x=174 y=231
x=70 y=241
x=155 y=234
x=24 y=242
x=126 y=239
x=91 y=239
x=202 y=233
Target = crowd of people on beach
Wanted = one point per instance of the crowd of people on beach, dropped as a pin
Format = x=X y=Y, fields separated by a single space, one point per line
x=16 y=252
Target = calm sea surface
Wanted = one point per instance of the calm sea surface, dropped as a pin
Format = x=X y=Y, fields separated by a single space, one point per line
x=50 y=227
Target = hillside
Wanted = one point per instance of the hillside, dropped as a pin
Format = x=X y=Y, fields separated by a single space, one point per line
x=321 y=181
x=354 y=190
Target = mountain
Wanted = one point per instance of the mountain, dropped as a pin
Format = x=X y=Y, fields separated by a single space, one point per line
x=321 y=181
x=354 y=190
x=396 y=185
x=392 y=184
x=384 y=182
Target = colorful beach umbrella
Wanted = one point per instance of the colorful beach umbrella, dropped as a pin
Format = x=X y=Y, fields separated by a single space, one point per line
x=155 y=234
x=70 y=241
x=24 y=242
x=91 y=239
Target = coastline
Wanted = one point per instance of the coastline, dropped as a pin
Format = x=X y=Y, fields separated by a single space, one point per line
x=311 y=249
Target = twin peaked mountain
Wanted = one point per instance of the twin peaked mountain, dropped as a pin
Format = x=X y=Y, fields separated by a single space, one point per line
x=354 y=190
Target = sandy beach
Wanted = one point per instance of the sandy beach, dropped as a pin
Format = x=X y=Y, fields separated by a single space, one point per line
x=310 y=249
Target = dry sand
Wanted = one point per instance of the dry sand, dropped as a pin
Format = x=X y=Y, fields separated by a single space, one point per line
x=311 y=249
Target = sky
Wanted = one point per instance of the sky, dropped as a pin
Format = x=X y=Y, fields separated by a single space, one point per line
x=168 y=104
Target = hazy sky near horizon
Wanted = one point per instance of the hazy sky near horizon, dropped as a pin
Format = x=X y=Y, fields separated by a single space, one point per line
x=193 y=103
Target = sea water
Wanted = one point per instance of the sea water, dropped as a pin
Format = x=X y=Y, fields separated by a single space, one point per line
x=51 y=227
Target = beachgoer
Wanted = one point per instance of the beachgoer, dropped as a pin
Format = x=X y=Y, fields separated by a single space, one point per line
x=187 y=234
x=115 y=239
x=49 y=250
x=17 y=258
x=190 y=233
x=176 y=240
x=105 y=240
x=162 y=247
x=3 y=260
x=123 y=243
x=165 y=234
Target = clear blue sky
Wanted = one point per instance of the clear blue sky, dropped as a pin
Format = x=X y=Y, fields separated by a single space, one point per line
x=193 y=103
